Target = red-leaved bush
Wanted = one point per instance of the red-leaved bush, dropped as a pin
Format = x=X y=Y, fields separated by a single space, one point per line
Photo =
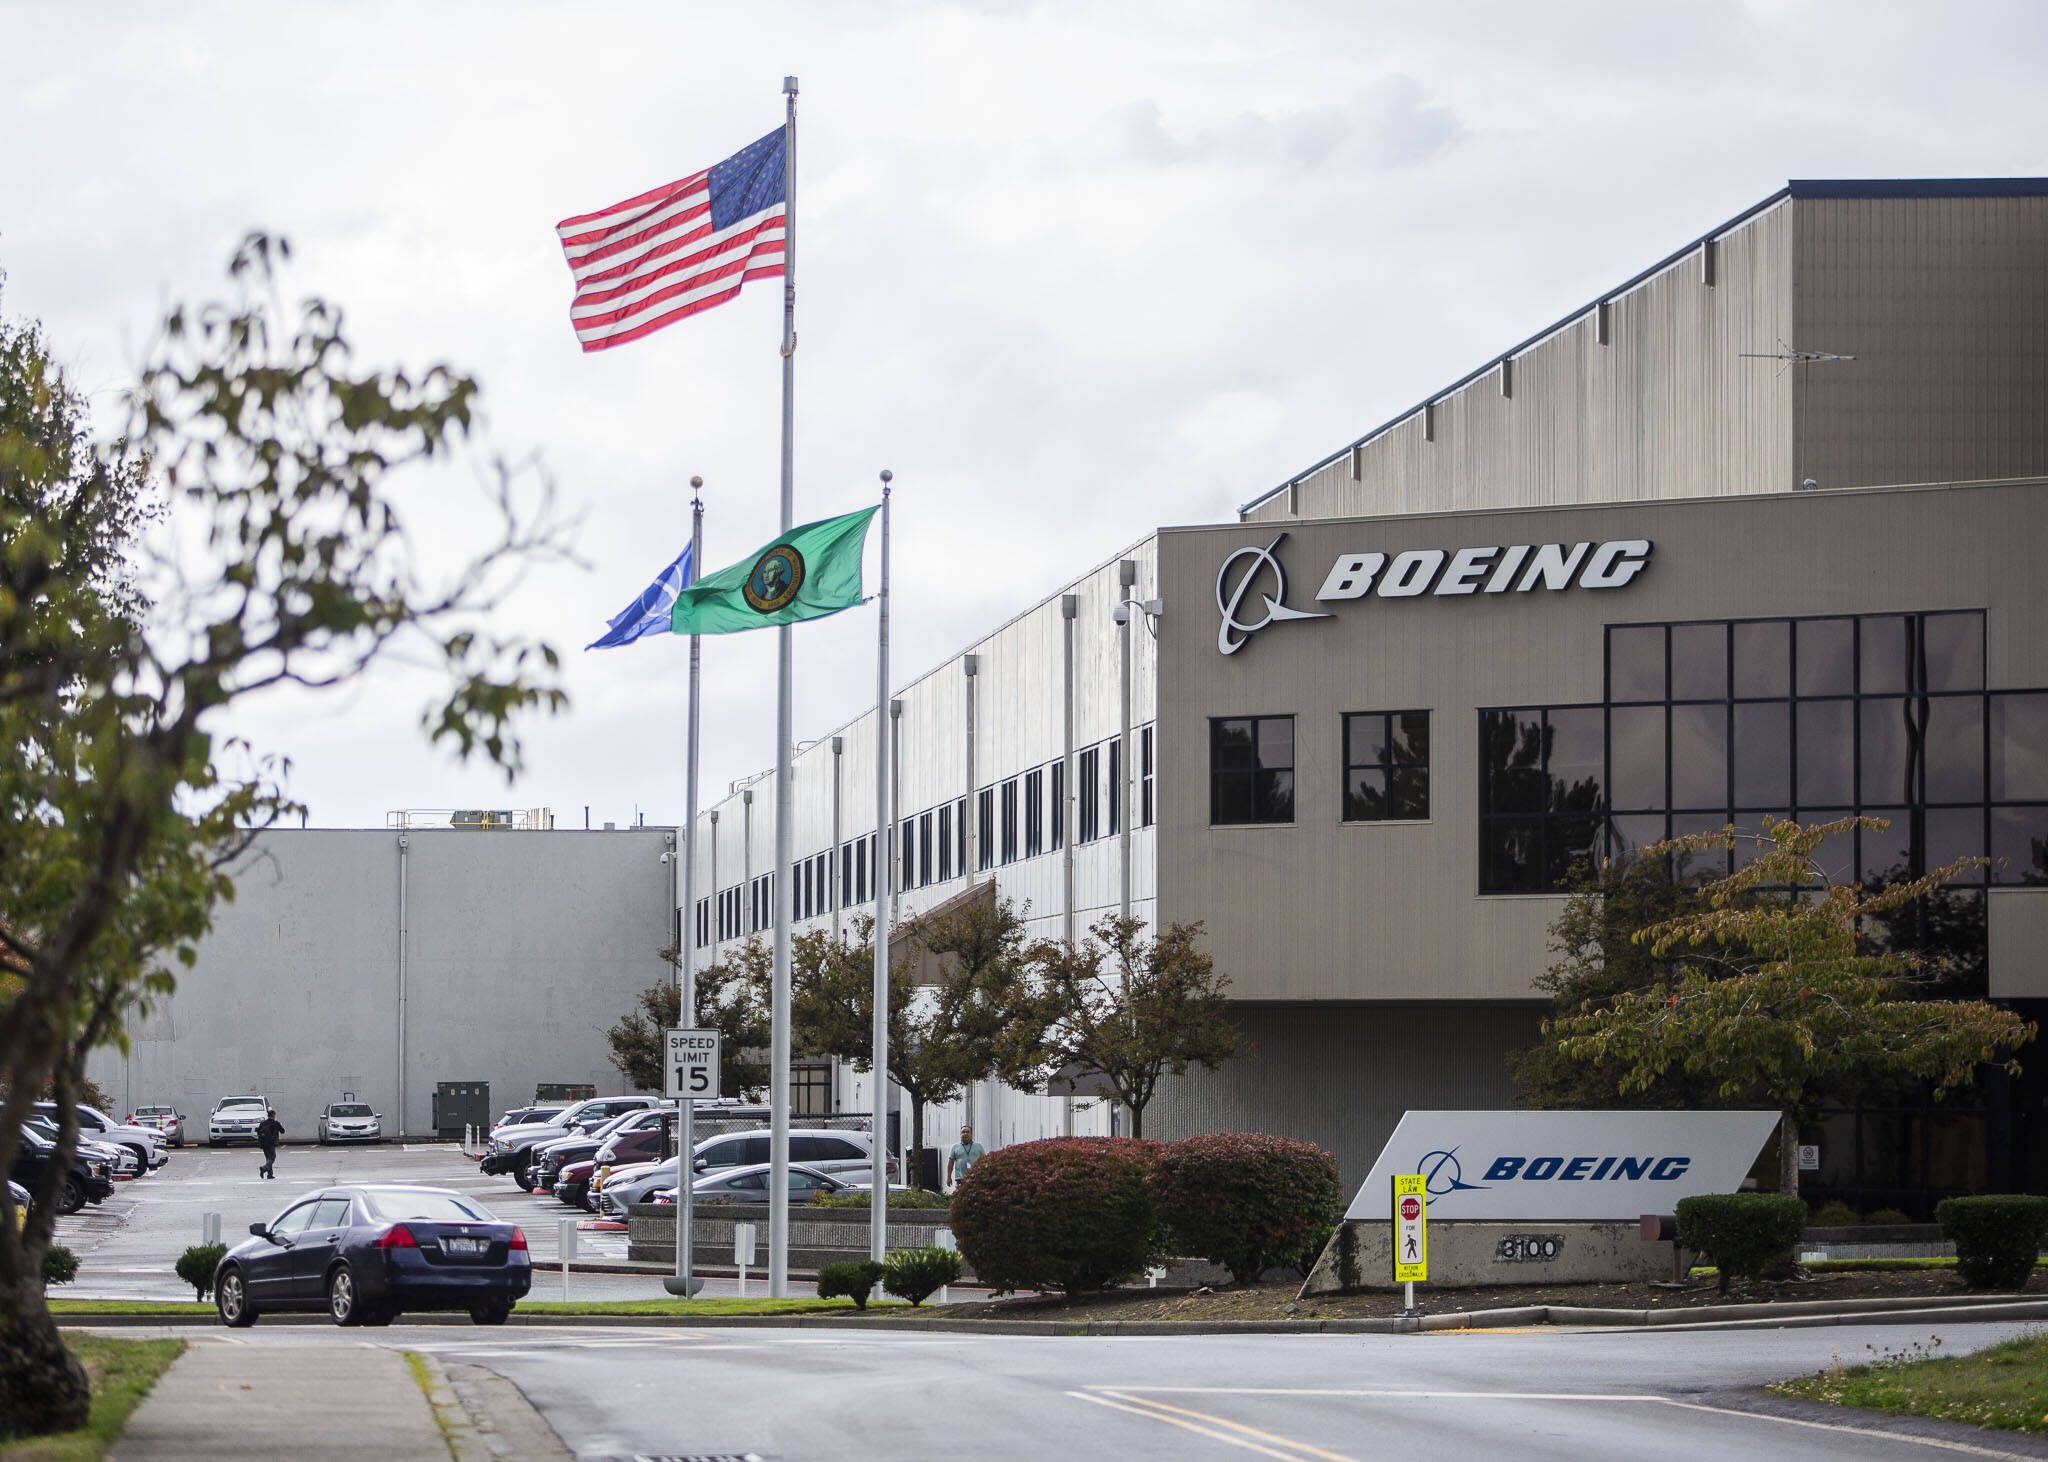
x=1246 y=1201
x=1068 y=1213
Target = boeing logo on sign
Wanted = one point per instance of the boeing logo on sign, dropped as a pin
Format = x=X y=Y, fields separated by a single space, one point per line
x=1442 y=1174
x=1229 y=598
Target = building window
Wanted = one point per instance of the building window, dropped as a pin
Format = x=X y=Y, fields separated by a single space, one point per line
x=960 y=836
x=859 y=849
x=1146 y=814
x=1059 y=806
x=1116 y=786
x=1540 y=797
x=1251 y=769
x=1034 y=813
x=986 y=832
x=945 y=842
x=1009 y=803
x=1088 y=798
x=924 y=849
x=810 y=1088
x=824 y=862
x=1386 y=766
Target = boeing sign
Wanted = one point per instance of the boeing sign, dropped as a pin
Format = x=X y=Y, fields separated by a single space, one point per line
x=1573 y=1166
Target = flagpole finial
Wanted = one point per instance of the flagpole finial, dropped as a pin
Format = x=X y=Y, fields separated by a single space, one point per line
x=789 y=86
x=887 y=478
x=697 y=483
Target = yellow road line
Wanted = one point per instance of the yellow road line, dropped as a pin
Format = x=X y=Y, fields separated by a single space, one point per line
x=1213 y=1433
x=1236 y=1426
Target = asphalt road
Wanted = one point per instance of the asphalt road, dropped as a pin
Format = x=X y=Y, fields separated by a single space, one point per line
x=838 y=1396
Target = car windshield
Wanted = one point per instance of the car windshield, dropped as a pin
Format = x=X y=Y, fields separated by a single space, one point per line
x=256 y=1103
x=43 y=1127
x=153 y=1111
x=392 y=1204
x=348 y=1109
x=34 y=1135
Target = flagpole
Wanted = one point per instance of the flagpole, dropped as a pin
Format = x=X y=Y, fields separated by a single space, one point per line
x=785 y=732
x=878 y=1206
x=684 y=1281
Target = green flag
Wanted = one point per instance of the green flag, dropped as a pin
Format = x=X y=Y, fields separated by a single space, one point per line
x=809 y=572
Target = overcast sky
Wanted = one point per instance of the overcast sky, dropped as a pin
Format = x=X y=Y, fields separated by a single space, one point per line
x=1071 y=271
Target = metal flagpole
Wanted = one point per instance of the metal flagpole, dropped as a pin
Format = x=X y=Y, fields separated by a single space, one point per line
x=684 y=1281
x=785 y=732
x=878 y=1208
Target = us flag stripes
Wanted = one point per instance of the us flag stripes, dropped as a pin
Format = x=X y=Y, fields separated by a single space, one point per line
x=679 y=249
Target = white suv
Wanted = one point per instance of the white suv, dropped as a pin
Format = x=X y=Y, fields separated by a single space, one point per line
x=234 y=1119
x=96 y=1126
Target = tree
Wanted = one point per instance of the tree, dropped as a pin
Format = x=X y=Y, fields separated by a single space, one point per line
x=732 y=998
x=961 y=1003
x=244 y=535
x=1131 y=1010
x=1787 y=994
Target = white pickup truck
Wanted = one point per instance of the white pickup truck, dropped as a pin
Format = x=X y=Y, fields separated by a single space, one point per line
x=145 y=1142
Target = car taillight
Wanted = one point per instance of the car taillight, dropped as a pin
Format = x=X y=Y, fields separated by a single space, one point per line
x=398 y=1236
x=518 y=1244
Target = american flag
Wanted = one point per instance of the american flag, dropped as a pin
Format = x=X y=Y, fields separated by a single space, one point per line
x=651 y=260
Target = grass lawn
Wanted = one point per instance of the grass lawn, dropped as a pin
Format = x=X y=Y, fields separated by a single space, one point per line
x=61 y=1308
x=122 y=1372
x=2005 y=1385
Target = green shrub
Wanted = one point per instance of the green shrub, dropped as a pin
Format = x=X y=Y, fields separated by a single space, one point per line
x=1886 y=1216
x=1748 y=1234
x=861 y=1198
x=1997 y=1237
x=1245 y=1200
x=60 y=1265
x=852 y=1279
x=1067 y=1213
x=916 y=1274
x=196 y=1266
x=1836 y=1214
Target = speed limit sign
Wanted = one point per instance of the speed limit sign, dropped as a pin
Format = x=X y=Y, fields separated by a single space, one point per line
x=692 y=1065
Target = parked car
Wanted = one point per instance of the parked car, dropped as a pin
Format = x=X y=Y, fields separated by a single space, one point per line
x=121 y=1160
x=167 y=1120
x=518 y=1116
x=234 y=1119
x=88 y=1180
x=145 y=1142
x=573 y=1186
x=547 y=1159
x=511 y=1148
x=349 y=1120
x=365 y=1254
x=750 y=1185
x=18 y=1195
x=844 y=1155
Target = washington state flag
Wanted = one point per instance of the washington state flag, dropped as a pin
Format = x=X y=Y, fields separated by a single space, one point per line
x=809 y=572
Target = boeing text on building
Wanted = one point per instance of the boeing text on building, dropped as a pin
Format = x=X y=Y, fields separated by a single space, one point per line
x=1577 y=1166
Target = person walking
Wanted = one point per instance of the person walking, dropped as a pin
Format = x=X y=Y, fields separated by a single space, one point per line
x=267 y=1133
x=965 y=1154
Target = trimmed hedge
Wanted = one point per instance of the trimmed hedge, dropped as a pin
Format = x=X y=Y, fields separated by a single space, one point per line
x=60 y=1265
x=1997 y=1237
x=862 y=1198
x=1747 y=1234
x=853 y=1279
x=916 y=1274
x=196 y=1265
x=1246 y=1200
x=1068 y=1213
x=1836 y=1214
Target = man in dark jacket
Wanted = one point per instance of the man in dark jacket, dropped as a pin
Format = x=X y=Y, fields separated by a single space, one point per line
x=267 y=1132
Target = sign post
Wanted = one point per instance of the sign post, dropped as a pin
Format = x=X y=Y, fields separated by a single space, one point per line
x=690 y=1072
x=1411 y=1234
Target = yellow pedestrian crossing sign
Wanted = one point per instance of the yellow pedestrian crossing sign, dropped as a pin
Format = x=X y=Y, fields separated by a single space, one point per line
x=1411 y=1228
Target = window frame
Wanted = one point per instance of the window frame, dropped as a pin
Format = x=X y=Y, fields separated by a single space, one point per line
x=1256 y=772
x=1386 y=765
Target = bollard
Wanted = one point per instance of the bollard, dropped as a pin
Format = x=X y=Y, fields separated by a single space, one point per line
x=565 y=1247
x=942 y=1238
x=209 y=1228
x=743 y=1252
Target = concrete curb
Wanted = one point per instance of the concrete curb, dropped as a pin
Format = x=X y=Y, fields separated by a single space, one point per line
x=1790 y=1315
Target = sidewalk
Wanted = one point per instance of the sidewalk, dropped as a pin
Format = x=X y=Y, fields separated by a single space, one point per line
x=326 y=1403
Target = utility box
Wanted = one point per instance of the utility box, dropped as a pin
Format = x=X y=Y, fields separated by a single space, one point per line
x=460 y=1104
x=564 y=1091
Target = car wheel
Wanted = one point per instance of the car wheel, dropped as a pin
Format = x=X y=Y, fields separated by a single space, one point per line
x=231 y=1299
x=491 y=1312
x=141 y=1158
x=522 y=1177
x=72 y=1197
x=343 y=1303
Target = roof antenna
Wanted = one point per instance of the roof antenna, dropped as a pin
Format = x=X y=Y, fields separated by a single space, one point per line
x=1786 y=355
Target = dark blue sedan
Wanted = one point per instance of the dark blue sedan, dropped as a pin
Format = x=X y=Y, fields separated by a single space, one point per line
x=365 y=1254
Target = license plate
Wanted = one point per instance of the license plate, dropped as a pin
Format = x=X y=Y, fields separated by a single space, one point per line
x=467 y=1248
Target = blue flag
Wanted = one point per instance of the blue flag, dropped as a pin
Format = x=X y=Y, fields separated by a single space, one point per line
x=650 y=613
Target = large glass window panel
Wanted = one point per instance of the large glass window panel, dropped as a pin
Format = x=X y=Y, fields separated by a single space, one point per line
x=1763 y=660
x=1571 y=850
x=1276 y=789
x=1955 y=748
x=1761 y=757
x=1707 y=862
x=1952 y=649
x=1232 y=747
x=1751 y=843
x=1884 y=743
x=1511 y=854
x=1628 y=836
x=1952 y=833
x=1408 y=738
x=2019 y=845
x=2019 y=747
x=1635 y=740
x=1276 y=741
x=1511 y=760
x=1836 y=857
x=1231 y=797
x=1827 y=752
x=1365 y=795
x=1824 y=651
x=1699 y=756
x=1699 y=662
x=1886 y=854
x=1635 y=662
x=1365 y=740
x=1577 y=755
x=1408 y=792
x=1885 y=653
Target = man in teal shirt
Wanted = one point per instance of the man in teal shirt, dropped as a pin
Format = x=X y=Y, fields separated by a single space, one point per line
x=965 y=1154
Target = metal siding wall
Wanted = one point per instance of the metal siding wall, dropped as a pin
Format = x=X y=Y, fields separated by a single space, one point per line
x=1944 y=304
x=1324 y=911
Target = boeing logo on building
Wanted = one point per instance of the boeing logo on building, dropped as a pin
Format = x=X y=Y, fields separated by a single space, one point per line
x=1229 y=598
x=1442 y=1174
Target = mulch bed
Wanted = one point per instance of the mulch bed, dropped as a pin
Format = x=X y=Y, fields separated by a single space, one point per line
x=1275 y=1301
